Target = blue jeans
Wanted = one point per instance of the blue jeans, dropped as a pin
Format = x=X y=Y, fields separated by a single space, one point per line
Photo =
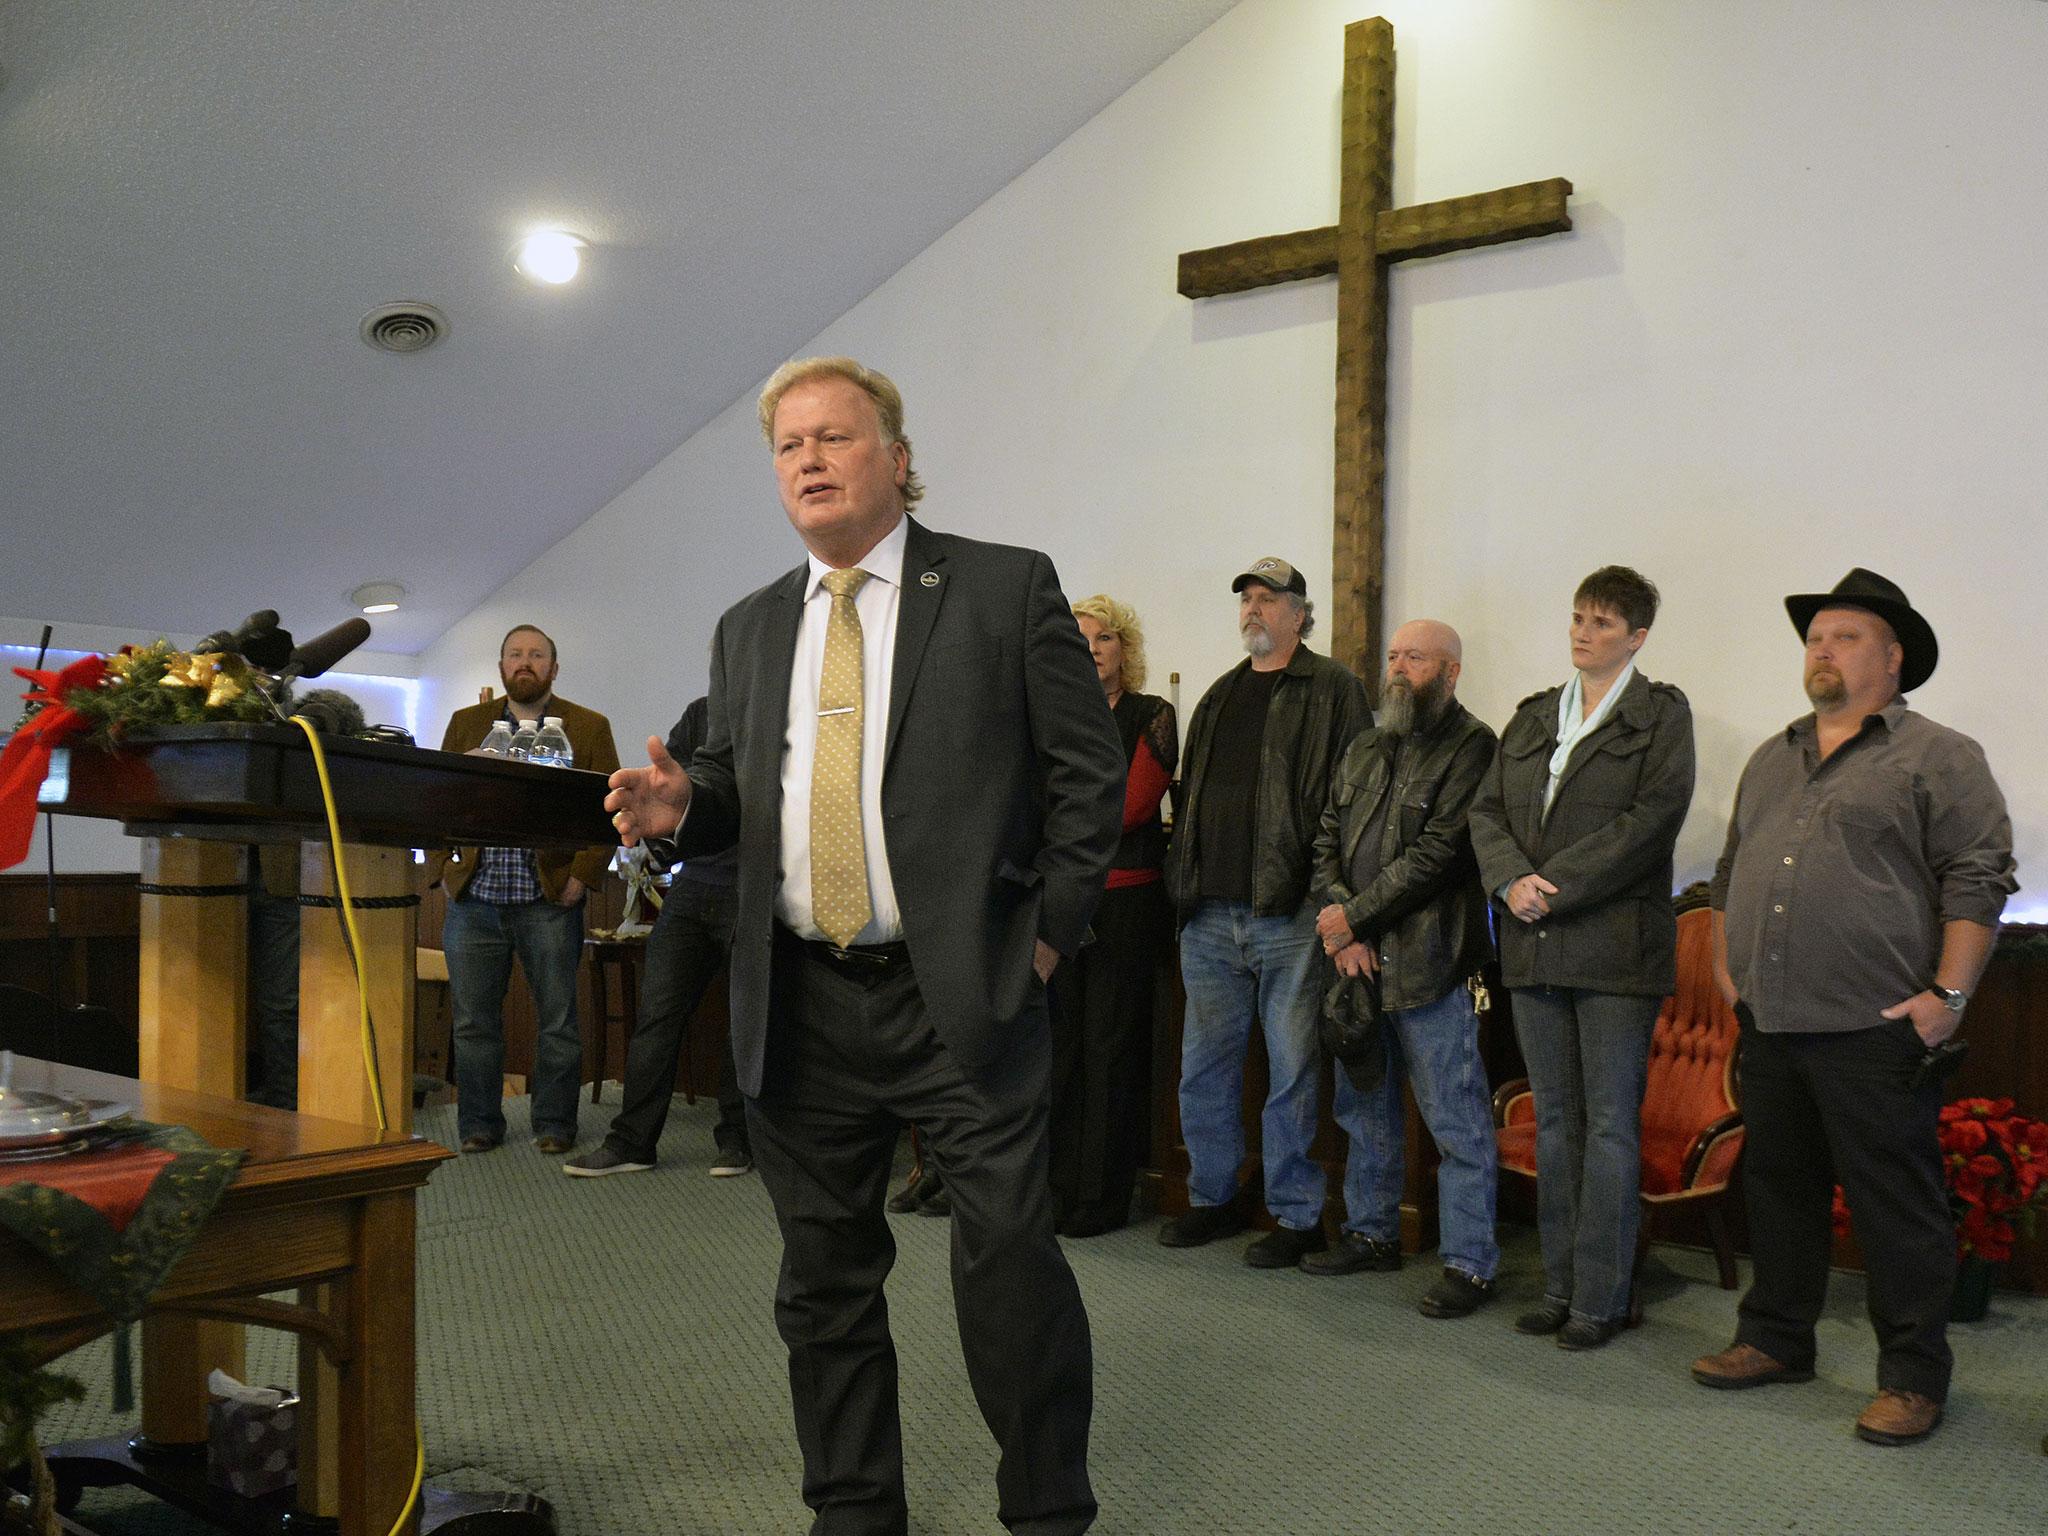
x=1238 y=966
x=481 y=940
x=1435 y=1048
x=1588 y=1056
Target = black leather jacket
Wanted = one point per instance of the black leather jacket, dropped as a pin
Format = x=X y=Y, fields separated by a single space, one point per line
x=1605 y=844
x=1318 y=706
x=1425 y=910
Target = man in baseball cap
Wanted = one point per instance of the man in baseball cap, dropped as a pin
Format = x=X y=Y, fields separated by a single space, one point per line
x=1261 y=746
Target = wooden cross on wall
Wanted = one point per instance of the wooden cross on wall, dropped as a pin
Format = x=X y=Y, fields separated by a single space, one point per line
x=1368 y=237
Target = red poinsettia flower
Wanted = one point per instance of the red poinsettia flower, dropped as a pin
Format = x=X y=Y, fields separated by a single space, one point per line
x=2029 y=1152
x=1995 y=1162
x=1968 y=1176
x=1838 y=1216
x=1987 y=1236
x=1983 y=1109
x=1965 y=1136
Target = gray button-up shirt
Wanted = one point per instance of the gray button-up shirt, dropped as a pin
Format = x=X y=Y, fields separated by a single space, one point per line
x=1838 y=874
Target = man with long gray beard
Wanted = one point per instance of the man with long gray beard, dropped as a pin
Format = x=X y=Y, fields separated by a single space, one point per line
x=1260 y=748
x=1402 y=902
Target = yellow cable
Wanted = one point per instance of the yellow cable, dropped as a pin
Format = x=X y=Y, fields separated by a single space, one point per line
x=419 y=1475
x=348 y=918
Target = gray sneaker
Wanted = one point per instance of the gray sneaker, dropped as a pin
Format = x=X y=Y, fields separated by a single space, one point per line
x=595 y=1165
x=731 y=1162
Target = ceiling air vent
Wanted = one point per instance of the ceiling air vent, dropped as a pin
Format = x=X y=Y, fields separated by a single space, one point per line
x=404 y=327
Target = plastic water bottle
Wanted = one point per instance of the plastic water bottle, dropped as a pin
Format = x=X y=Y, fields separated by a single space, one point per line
x=499 y=742
x=551 y=747
x=522 y=742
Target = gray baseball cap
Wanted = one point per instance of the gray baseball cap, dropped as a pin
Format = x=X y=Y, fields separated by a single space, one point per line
x=1271 y=571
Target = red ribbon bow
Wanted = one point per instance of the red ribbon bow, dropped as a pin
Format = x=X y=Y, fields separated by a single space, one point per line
x=25 y=761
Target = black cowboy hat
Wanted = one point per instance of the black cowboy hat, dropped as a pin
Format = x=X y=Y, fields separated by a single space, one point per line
x=1353 y=1029
x=1867 y=589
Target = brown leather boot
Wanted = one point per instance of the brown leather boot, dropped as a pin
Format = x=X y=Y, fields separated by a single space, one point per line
x=1744 y=1365
x=1898 y=1418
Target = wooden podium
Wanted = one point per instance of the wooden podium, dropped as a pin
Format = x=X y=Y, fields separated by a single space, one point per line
x=197 y=796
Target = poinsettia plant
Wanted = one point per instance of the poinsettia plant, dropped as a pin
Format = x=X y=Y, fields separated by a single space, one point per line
x=1995 y=1159
x=106 y=697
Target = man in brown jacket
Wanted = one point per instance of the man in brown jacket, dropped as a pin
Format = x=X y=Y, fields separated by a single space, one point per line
x=504 y=902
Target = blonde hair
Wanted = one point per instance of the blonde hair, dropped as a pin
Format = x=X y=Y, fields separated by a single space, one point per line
x=1121 y=620
x=877 y=386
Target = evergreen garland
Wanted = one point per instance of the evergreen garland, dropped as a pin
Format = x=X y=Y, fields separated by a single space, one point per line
x=26 y=1393
x=156 y=686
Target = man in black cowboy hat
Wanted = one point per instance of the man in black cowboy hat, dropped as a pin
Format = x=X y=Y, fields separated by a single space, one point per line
x=1855 y=905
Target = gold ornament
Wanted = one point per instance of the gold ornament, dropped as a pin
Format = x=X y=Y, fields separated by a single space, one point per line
x=183 y=671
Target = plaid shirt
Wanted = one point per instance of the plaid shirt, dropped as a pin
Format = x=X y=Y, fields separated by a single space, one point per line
x=504 y=877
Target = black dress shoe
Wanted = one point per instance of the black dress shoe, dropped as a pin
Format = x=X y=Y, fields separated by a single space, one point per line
x=925 y=1186
x=1581 y=1334
x=1352 y=1253
x=1548 y=1318
x=1455 y=1294
x=1285 y=1248
x=1203 y=1224
x=1084 y=1221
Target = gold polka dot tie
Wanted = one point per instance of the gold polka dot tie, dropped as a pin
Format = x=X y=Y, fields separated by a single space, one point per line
x=839 y=863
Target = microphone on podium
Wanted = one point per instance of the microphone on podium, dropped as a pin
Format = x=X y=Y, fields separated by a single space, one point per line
x=325 y=649
x=257 y=640
x=332 y=712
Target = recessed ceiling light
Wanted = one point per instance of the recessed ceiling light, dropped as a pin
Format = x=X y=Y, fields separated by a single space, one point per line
x=378 y=596
x=549 y=256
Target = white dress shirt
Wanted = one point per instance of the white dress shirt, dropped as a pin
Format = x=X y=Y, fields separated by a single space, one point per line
x=877 y=602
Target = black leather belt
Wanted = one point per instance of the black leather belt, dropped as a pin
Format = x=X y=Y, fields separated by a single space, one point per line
x=867 y=963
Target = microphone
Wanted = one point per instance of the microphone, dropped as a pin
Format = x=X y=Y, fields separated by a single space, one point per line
x=332 y=712
x=258 y=641
x=325 y=649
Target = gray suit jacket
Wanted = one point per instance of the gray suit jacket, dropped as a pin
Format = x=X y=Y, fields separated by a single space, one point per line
x=1002 y=786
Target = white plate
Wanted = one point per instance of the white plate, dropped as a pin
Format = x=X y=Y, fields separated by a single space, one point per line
x=99 y=1114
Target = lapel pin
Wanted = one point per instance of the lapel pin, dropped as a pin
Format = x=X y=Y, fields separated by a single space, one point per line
x=929 y=579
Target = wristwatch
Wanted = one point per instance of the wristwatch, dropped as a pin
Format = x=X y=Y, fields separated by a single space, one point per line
x=1954 y=999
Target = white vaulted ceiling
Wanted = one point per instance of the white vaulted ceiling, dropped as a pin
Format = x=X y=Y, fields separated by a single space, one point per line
x=201 y=199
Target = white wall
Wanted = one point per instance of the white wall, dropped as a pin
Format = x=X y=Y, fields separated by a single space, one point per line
x=1798 y=327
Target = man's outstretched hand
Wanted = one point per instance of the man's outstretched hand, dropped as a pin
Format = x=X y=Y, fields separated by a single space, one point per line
x=650 y=801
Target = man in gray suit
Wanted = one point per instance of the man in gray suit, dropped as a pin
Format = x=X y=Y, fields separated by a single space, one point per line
x=909 y=745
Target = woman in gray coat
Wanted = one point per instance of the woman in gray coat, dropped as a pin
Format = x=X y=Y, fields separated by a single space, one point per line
x=1574 y=827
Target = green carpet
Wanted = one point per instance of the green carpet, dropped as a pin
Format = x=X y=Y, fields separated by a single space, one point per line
x=608 y=1343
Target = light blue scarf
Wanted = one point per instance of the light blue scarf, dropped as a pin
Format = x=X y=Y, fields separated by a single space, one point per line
x=1574 y=725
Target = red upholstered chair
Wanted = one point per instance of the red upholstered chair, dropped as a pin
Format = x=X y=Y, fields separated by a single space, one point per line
x=1692 y=1119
